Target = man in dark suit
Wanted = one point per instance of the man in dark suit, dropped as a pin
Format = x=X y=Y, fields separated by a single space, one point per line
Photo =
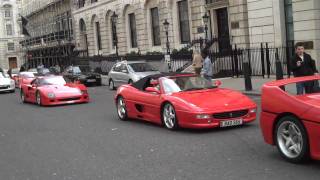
x=303 y=65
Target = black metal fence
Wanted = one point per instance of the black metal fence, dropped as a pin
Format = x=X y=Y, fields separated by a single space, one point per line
x=227 y=63
x=262 y=60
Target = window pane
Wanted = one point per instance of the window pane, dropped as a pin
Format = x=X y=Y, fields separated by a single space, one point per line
x=9 y=29
x=184 y=21
x=98 y=35
x=10 y=46
x=7 y=13
x=113 y=33
x=133 y=31
x=155 y=26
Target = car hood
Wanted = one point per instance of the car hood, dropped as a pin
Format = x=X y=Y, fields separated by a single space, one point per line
x=62 y=91
x=216 y=99
x=5 y=81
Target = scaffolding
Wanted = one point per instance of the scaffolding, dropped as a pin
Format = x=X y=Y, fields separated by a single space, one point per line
x=51 y=32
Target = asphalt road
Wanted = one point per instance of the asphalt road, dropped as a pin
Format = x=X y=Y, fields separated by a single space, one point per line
x=88 y=142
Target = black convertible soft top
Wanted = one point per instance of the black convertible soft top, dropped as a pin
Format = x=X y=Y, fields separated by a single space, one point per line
x=145 y=82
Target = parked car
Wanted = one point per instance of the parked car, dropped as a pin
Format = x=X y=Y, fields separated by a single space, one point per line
x=53 y=90
x=6 y=83
x=183 y=100
x=127 y=72
x=291 y=122
x=82 y=74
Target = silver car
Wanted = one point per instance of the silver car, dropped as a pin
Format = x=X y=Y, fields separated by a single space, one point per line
x=129 y=72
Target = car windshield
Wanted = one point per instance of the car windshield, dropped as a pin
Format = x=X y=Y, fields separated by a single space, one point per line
x=43 y=71
x=76 y=70
x=27 y=75
x=178 y=84
x=141 y=67
x=57 y=80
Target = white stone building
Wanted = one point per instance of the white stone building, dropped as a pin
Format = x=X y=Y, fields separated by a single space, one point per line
x=246 y=23
x=10 y=53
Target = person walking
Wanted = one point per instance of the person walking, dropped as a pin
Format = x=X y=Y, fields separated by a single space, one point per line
x=303 y=65
x=197 y=63
x=207 y=71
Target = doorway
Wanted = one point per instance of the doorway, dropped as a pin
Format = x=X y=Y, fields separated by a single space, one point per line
x=13 y=62
x=223 y=29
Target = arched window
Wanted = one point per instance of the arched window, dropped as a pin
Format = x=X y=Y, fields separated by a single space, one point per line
x=7 y=11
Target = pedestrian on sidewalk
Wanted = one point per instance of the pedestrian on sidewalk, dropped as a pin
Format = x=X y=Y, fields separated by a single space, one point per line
x=207 y=71
x=303 y=65
x=197 y=62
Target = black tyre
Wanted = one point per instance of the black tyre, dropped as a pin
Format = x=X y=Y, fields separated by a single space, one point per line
x=169 y=117
x=291 y=139
x=38 y=98
x=122 y=109
x=22 y=97
x=130 y=82
x=111 y=85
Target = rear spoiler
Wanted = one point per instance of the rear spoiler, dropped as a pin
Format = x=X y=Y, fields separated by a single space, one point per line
x=284 y=82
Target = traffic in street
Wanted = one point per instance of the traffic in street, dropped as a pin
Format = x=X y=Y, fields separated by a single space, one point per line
x=88 y=141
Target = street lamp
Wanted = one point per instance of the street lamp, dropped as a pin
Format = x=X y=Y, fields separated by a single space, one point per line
x=166 y=28
x=114 y=19
x=205 y=18
x=167 y=57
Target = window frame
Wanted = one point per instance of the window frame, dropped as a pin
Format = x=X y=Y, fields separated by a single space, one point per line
x=156 y=41
x=183 y=39
x=133 y=30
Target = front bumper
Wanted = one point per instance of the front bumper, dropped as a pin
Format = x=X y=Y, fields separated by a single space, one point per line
x=189 y=120
x=7 y=88
x=66 y=100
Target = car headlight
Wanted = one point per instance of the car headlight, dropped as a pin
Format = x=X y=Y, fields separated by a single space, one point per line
x=83 y=92
x=51 y=95
x=12 y=82
x=203 y=116
x=253 y=110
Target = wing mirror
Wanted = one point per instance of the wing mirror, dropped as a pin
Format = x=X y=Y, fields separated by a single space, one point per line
x=217 y=83
x=152 y=90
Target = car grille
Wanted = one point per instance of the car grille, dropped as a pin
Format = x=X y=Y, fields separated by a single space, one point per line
x=70 y=99
x=231 y=114
x=4 y=87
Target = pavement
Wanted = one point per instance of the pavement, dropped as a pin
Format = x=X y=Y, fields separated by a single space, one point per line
x=239 y=85
x=88 y=142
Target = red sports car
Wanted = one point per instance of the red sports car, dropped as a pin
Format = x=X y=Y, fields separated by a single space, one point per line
x=183 y=100
x=290 y=121
x=24 y=78
x=53 y=90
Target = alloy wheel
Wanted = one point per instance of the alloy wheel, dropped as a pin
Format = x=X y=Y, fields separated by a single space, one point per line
x=169 y=117
x=121 y=109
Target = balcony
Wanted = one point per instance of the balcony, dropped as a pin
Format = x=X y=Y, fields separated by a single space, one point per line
x=215 y=3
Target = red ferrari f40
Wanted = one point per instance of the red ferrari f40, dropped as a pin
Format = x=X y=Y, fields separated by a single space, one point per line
x=53 y=90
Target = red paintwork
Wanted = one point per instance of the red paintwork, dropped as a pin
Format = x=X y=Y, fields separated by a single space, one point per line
x=62 y=92
x=276 y=103
x=187 y=105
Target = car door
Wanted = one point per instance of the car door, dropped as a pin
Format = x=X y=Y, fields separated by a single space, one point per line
x=123 y=74
x=31 y=90
x=147 y=105
x=114 y=75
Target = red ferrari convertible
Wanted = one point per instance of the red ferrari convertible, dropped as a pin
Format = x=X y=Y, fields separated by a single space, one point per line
x=183 y=100
x=53 y=90
x=290 y=121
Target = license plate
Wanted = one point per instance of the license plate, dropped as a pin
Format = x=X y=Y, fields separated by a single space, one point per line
x=70 y=102
x=229 y=123
x=91 y=80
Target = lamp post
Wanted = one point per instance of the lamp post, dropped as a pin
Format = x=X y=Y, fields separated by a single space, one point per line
x=166 y=28
x=167 y=56
x=114 y=19
x=205 y=18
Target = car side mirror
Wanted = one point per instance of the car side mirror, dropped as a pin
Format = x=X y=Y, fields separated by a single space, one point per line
x=152 y=90
x=217 y=83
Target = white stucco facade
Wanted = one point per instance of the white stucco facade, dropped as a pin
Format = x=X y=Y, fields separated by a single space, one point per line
x=10 y=34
